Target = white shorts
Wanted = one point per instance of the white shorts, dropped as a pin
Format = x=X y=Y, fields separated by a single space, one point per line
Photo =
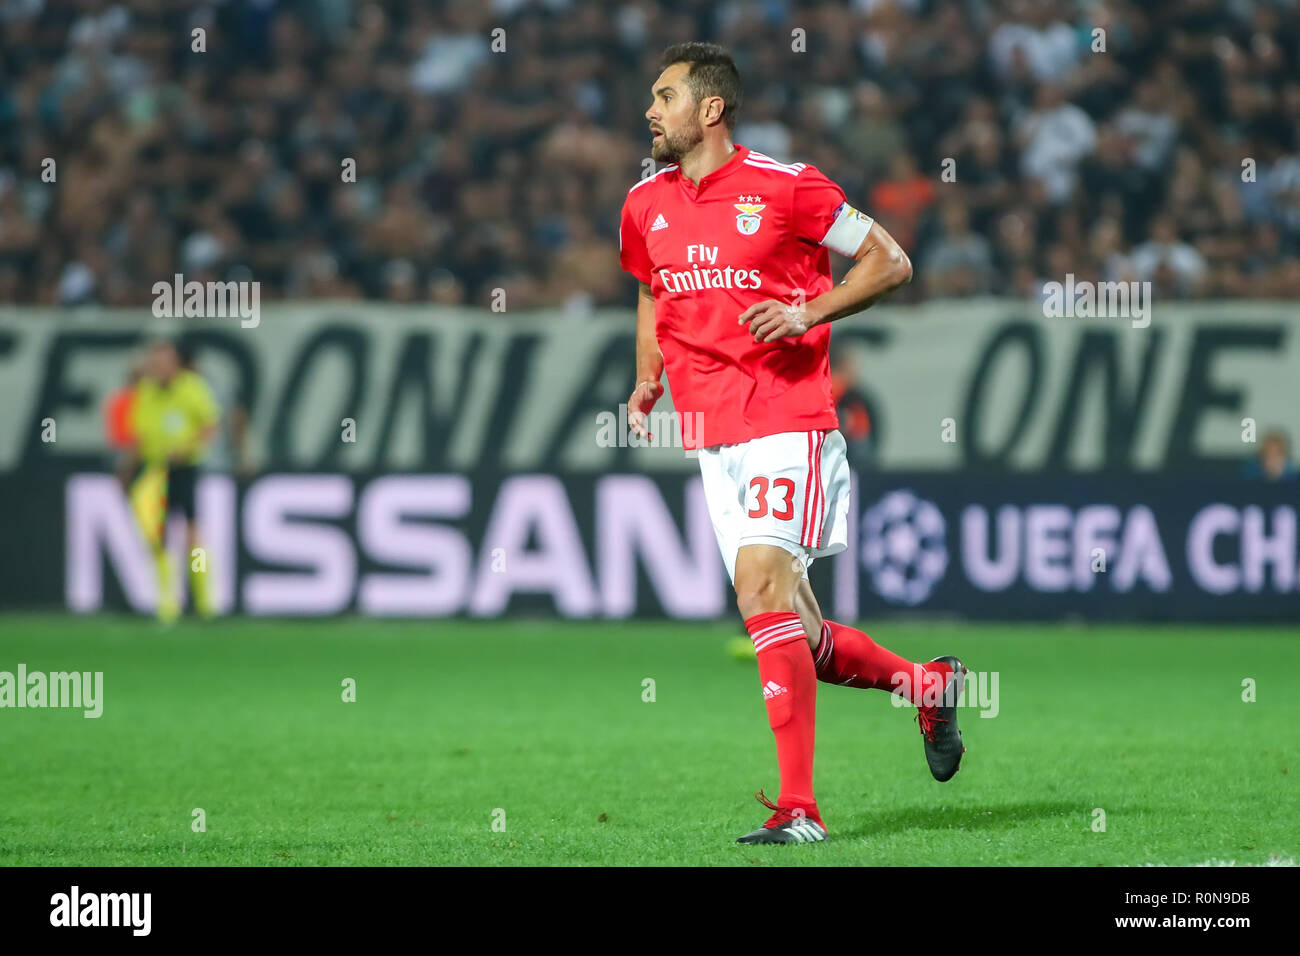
x=790 y=490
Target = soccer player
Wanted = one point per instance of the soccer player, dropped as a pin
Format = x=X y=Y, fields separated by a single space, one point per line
x=736 y=300
x=174 y=418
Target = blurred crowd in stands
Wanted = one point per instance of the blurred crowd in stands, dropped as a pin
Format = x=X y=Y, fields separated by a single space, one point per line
x=1005 y=143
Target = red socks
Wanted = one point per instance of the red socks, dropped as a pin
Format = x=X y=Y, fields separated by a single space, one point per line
x=789 y=674
x=789 y=679
x=847 y=656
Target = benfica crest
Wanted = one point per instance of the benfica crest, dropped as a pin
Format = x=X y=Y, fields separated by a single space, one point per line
x=749 y=220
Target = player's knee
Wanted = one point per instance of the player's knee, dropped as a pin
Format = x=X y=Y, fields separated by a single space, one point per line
x=760 y=593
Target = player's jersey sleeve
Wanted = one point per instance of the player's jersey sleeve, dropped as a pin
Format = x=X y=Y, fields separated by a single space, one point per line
x=821 y=215
x=632 y=254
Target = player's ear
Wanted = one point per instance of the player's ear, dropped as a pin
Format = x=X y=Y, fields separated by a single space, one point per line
x=713 y=108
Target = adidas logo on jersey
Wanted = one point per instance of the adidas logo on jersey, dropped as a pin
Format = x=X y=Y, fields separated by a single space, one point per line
x=772 y=689
x=660 y=223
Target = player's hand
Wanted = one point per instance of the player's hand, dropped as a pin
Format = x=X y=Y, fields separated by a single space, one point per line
x=770 y=320
x=639 y=405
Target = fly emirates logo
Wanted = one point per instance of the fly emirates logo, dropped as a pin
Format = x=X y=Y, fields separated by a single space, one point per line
x=704 y=273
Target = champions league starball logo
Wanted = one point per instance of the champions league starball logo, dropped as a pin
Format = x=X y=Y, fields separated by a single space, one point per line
x=903 y=547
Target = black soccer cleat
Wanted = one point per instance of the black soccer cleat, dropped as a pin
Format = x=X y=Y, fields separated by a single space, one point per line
x=943 y=746
x=787 y=826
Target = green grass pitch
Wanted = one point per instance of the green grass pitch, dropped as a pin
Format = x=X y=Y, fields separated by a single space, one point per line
x=542 y=728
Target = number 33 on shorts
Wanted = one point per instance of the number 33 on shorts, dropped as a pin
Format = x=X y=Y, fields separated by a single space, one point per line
x=790 y=489
x=758 y=489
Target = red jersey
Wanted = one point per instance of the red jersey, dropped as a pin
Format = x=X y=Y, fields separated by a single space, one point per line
x=753 y=229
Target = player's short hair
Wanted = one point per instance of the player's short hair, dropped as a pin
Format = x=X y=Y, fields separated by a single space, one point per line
x=712 y=73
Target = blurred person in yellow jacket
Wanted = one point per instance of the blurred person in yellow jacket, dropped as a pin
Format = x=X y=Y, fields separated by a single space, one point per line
x=174 y=419
x=146 y=487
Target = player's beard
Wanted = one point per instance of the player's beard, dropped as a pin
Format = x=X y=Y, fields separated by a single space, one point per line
x=672 y=147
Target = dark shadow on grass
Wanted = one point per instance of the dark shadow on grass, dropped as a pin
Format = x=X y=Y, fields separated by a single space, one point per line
x=936 y=817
